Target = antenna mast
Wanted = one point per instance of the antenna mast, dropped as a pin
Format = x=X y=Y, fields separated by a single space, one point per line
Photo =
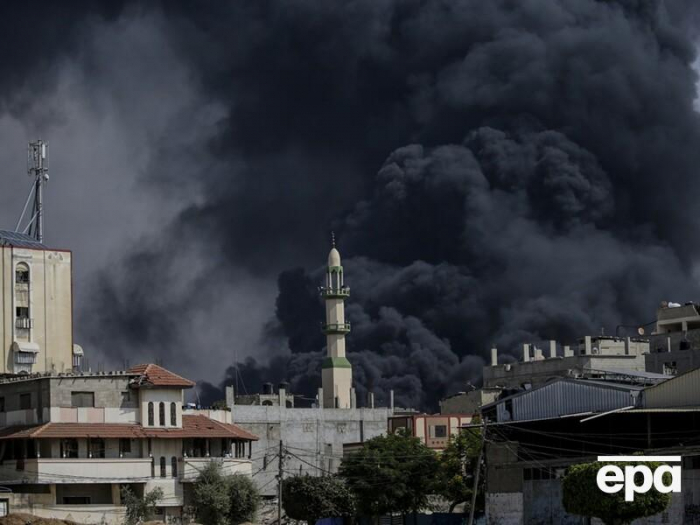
x=38 y=169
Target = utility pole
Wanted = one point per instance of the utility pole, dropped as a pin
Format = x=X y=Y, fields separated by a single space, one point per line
x=280 y=476
x=475 y=488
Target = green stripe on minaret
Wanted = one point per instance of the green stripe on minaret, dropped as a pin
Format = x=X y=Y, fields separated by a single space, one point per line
x=336 y=362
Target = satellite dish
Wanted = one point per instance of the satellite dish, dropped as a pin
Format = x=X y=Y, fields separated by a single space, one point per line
x=640 y=330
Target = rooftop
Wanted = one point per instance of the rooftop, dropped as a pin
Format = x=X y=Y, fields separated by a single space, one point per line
x=192 y=427
x=19 y=240
x=157 y=376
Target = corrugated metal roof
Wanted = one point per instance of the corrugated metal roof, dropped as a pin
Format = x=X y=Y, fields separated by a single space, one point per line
x=680 y=391
x=563 y=397
x=19 y=240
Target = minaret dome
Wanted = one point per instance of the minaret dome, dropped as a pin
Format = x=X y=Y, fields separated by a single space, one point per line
x=333 y=257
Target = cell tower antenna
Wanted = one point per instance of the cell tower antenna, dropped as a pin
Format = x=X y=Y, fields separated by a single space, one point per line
x=38 y=169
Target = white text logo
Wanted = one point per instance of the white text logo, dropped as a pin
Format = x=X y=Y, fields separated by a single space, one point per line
x=612 y=479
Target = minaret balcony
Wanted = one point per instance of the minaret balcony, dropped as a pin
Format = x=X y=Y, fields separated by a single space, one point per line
x=335 y=328
x=335 y=293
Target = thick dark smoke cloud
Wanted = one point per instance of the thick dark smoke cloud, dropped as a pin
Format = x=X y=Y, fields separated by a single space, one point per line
x=496 y=172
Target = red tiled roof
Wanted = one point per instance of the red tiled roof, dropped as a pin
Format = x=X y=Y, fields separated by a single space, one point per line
x=201 y=426
x=193 y=427
x=154 y=375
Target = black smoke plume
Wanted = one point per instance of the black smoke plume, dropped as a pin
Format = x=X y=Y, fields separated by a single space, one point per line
x=496 y=173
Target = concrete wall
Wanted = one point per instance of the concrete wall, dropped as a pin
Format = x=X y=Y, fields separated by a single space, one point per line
x=156 y=396
x=468 y=402
x=514 y=375
x=315 y=435
x=50 y=308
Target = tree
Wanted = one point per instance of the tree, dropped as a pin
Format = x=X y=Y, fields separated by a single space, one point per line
x=211 y=496
x=311 y=498
x=224 y=500
x=458 y=464
x=394 y=473
x=582 y=496
x=140 y=509
x=244 y=499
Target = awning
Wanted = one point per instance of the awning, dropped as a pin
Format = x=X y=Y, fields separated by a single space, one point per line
x=32 y=348
x=77 y=350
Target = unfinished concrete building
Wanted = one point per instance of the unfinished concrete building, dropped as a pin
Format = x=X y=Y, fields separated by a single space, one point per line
x=593 y=356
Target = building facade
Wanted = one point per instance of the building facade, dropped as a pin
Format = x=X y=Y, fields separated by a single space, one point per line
x=36 y=307
x=532 y=437
x=70 y=443
x=593 y=356
x=434 y=431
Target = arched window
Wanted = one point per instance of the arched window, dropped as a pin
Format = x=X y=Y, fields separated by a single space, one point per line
x=161 y=414
x=22 y=274
x=173 y=463
x=151 y=420
x=23 y=320
x=173 y=415
x=162 y=466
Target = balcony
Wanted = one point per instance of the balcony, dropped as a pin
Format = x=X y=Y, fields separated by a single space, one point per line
x=194 y=466
x=75 y=470
x=335 y=293
x=335 y=328
x=24 y=323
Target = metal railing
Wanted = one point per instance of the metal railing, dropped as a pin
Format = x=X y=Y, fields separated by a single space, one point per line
x=24 y=323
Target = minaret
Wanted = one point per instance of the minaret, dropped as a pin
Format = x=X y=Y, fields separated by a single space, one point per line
x=337 y=371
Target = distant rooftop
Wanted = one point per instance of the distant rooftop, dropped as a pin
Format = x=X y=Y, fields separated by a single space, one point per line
x=19 y=240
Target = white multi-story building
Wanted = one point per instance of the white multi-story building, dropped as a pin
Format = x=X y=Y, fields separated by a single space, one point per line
x=36 y=307
x=69 y=443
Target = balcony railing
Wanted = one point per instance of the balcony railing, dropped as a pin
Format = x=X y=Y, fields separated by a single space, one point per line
x=75 y=470
x=24 y=323
x=335 y=293
x=194 y=466
x=335 y=328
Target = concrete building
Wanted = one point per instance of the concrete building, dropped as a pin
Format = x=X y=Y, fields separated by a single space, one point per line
x=36 y=307
x=337 y=371
x=433 y=430
x=70 y=442
x=675 y=341
x=593 y=356
x=468 y=402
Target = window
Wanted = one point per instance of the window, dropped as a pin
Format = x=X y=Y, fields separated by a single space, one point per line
x=2 y=404
x=161 y=414
x=69 y=448
x=151 y=421
x=4 y=507
x=670 y=368
x=173 y=466
x=82 y=399
x=22 y=274
x=126 y=398
x=25 y=401
x=125 y=446
x=240 y=449
x=153 y=467
x=438 y=431
x=162 y=466
x=76 y=500
x=97 y=447
x=173 y=415
x=22 y=312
